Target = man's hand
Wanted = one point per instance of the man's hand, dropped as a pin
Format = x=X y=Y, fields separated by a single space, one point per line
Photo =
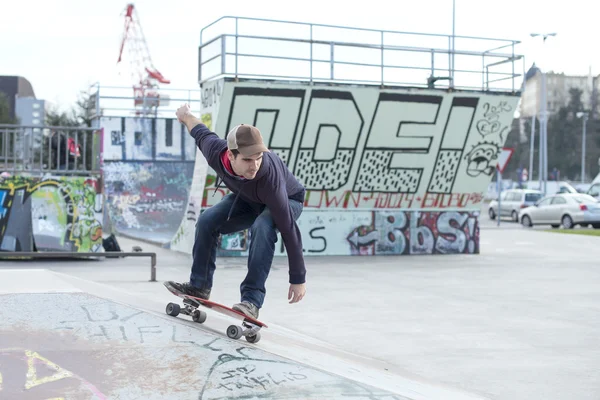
x=182 y=112
x=185 y=116
x=296 y=292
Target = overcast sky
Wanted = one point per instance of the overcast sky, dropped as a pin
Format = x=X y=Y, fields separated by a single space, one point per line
x=62 y=46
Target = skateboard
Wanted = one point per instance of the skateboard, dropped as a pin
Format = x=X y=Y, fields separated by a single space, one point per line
x=249 y=328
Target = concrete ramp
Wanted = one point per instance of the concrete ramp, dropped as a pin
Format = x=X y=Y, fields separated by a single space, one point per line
x=59 y=342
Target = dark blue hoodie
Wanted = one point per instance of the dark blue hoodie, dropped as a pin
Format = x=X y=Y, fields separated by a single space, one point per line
x=272 y=186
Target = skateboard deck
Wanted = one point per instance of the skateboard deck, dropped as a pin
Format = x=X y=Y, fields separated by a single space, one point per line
x=249 y=328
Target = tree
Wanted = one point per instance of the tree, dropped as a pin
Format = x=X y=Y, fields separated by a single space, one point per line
x=565 y=140
x=5 y=110
x=79 y=115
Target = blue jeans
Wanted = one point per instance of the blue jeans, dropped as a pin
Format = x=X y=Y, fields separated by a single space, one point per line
x=263 y=236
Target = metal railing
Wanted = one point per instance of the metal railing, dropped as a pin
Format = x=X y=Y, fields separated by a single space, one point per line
x=45 y=149
x=61 y=255
x=247 y=48
x=120 y=101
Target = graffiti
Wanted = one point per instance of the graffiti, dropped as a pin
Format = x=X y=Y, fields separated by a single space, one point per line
x=359 y=147
x=147 y=200
x=146 y=139
x=490 y=123
x=51 y=213
x=480 y=159
x=211 y=91
x=375 y=233
x=85 y=347
x=41 y=374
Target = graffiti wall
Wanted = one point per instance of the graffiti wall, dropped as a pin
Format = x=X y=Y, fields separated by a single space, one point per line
x=375 y=233
x=183 y=240
x=424 y=156
x=50 y=214
x=148 y=168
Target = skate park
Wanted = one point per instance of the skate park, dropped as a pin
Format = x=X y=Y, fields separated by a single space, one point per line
x=411 y=294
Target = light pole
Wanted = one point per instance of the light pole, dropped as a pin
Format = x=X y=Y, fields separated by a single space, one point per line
x=585 y=116
x=543 y=121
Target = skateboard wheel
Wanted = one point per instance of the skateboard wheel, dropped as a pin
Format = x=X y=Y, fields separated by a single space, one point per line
x=173 y=309
x=253 y=338
x=234 y=332
x=199 y=316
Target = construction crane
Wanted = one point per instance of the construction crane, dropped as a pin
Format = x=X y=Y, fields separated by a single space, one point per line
x=145 y=76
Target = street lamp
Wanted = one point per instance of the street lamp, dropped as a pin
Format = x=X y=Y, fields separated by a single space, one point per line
x=543 y=121
x=585 y=116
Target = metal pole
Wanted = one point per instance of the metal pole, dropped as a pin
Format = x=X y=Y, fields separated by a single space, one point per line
x=499 y=190
x=544 y=139
x=453 y=34
x=531 y=148
x=585 y=117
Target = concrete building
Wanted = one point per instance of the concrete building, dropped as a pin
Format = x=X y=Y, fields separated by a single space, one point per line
x=15 y=87
x=557 y=91
x=30 y=111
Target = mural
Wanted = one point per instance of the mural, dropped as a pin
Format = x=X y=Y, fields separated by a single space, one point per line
x=147 y=200
x=148 y=168
x=183 y=240
x=394 y=171
x=366 y=148
x=50 y=214
x=375 y=233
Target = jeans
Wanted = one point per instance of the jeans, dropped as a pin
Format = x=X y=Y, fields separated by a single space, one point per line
x=263 y=236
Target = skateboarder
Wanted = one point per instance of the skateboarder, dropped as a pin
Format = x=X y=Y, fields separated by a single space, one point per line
x=265 y=197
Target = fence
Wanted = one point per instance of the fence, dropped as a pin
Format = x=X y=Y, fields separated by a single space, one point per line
x=50 y=149
x=246 y=47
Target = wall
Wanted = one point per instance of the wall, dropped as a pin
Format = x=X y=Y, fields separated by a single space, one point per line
x=50 y=213
x=148 y=168
x=424 y=156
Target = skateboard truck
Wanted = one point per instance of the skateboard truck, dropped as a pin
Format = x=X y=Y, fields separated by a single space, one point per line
x=249 y=330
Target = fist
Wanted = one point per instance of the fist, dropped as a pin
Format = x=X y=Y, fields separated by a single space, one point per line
x=296 y=292
x=183 y=111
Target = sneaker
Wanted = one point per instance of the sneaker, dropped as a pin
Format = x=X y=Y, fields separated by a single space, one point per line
x=187 y=288
x=247 y=308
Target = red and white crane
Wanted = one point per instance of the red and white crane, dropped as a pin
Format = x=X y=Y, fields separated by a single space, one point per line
x=145 y=76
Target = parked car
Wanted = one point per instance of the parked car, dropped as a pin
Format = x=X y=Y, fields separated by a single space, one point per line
x=512 y=201
x=594 y=191
x=566 y=209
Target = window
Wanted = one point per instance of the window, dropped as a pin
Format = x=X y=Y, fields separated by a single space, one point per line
x=584 y=198
x=594 y=190
x=35 y=114
x=169 y=133
x=35 y=121
x=558 y=201
x=138 y=138
x=545 y=202
x=36 y=105
x=532 y=197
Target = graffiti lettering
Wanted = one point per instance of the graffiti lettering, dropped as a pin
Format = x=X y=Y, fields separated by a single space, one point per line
x=51 y=213
x=379 y=232
x=40 y=371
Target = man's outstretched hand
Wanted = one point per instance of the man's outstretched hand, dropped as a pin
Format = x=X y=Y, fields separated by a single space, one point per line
x=296 y=292
x=185 y=116
x=182 y=112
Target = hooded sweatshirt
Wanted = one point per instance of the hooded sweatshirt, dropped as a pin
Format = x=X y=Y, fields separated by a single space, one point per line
x=272 y=186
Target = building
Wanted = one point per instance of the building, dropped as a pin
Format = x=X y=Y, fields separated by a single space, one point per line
x=557 y=91
x=15 y=87
x=30 y=111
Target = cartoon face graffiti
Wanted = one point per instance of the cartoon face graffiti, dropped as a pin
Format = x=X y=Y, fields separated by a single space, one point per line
x=480 y=159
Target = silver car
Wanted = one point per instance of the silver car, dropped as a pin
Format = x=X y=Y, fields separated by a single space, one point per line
x=512 y=201
x=566 y=209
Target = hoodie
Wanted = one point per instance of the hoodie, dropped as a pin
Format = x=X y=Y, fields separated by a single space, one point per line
x=272 y=186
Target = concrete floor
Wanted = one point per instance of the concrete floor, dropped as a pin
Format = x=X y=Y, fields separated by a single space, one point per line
x=519 y=321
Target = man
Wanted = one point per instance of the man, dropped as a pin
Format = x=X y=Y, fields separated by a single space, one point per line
x=266 y=198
